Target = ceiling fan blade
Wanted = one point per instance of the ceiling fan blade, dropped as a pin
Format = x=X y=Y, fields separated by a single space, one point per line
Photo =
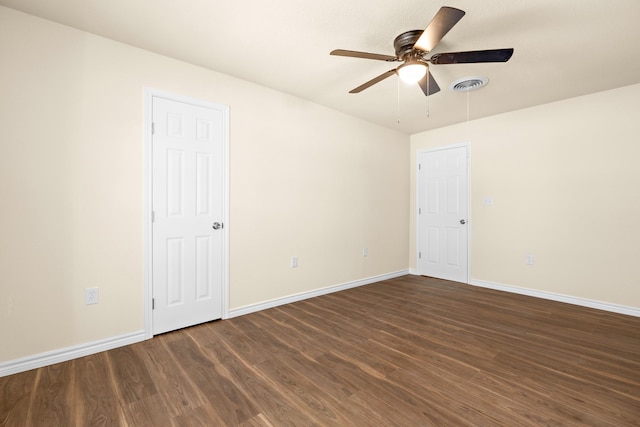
x=373 y=81
x=491 y=55
x=440 y=25
x=365 y=55
x=428 y=84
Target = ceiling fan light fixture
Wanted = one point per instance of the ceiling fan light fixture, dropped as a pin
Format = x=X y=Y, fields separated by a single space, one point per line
x=412 y=71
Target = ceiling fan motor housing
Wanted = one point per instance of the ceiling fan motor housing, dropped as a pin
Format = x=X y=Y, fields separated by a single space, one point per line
x=403 y=44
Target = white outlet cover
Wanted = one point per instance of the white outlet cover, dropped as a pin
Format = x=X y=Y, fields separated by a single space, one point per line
x=91 y=296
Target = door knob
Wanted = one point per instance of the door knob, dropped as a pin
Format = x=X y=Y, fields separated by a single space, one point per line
x=217 y=225
x=463 y=222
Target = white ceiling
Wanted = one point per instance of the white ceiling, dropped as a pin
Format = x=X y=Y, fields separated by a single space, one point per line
x=562 y=48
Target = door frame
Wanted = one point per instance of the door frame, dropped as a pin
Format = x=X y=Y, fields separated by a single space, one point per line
x=149 y=94
x=419 y=196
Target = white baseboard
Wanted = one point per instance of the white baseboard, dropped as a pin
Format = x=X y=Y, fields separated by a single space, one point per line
x=306 y=295
x=614 y=308
x=62 y=355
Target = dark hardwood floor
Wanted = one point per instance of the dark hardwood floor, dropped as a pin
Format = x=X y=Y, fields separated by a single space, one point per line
x=411 y=351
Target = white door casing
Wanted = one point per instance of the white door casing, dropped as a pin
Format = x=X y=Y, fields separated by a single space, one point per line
x=188 y=254
x=443 y=219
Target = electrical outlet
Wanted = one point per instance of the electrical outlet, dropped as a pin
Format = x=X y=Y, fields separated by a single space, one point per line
x=529 y=260
x=91 y=296
x=294 y=262
x=365 y=252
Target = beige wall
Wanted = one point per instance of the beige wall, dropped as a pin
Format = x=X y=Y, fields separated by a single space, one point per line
x=304 y=181
x=565 y=182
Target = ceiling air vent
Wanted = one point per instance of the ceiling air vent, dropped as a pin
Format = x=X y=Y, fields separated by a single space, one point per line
x=468 y=83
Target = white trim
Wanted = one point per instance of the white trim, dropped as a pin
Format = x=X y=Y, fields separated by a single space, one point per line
x=147 y=212
x=315 y=293
x=445 y=147
x=466 y=145
x=149 y=94
x=62 y=355
x=225 y=211
x=600 y=305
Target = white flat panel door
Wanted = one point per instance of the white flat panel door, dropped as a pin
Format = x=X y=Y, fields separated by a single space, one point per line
x=187 y=191
x=443 y=214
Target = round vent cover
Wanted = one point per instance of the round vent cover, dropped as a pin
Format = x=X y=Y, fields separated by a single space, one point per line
x=468 y=83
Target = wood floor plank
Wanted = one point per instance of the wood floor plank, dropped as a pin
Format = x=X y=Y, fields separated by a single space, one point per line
x=15 y=397
x=257 y=421
x=130 y=375
x=51 y=403
x=232 y=332
x=367 y=382
x=410 y=351
x=146 y=411
x=304 y=363
x=97 y=403
x=213 y=381
x=575 y=397
x=305 y=394
x=273 y=402
x=175 y=388
x=305 y=342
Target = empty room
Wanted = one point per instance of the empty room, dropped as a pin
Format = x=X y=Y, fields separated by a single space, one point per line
x=338 y=213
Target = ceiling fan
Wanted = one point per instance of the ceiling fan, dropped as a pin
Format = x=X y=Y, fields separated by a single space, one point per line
x=413 y=46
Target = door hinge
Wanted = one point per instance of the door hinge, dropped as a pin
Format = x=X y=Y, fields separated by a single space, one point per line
x=153 y=128
x=419 y=255
x=153 y=216
x=419 y=211
x=419 y=166
x=153 y=303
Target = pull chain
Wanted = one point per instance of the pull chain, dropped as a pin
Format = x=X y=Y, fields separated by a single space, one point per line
x=467 y=107
x=428 y=94
x=398 y=81
x=468 y=126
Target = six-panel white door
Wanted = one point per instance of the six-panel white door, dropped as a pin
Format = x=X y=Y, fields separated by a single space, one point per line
x=443 y=214
x=187 y=191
